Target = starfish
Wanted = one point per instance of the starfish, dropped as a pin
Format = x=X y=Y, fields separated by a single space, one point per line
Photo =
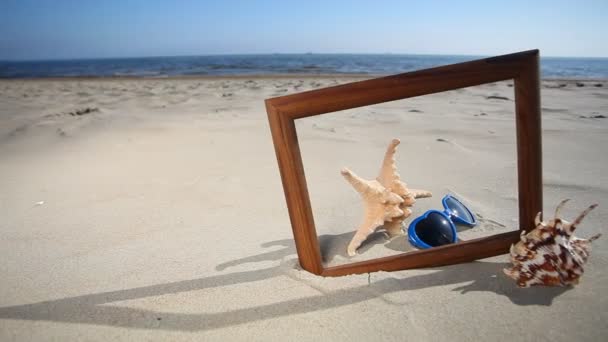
x=386 y=199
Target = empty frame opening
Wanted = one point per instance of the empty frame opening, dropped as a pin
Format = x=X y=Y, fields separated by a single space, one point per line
x=458 y=142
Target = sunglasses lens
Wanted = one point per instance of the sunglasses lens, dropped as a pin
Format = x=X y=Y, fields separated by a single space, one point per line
x=435 y=230
x=459 y=210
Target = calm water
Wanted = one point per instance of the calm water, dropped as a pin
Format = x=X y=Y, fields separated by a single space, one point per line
x=551 y=67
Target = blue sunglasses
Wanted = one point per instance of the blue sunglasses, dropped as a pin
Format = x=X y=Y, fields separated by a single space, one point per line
x=437 y=228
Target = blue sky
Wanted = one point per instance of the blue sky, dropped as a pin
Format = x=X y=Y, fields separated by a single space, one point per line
x=50 y=29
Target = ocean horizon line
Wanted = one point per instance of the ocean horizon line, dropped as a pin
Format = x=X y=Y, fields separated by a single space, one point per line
x=286 y=54
x=276 y=64
x=252 y=77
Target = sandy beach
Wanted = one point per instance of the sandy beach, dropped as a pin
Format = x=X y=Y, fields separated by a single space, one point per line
x=152 y=209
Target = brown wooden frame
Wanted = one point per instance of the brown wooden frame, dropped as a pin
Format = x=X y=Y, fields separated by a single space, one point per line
x=522 y=67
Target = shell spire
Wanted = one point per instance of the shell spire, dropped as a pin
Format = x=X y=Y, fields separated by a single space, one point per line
x=568 y=229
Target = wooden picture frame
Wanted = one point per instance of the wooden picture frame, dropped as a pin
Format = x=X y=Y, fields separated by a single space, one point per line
x=522 y=67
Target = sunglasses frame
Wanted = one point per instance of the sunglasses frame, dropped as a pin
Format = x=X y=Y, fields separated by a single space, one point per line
x=453 y=219
x=522 y=67
x=457 y=218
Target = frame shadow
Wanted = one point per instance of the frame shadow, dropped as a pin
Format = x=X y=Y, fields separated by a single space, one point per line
x=98 y=308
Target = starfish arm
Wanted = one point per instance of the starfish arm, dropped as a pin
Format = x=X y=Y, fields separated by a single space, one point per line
x=369 y=225
x=392 y=212
x=389 y=177
x=390 y=197
x=361 y=185
x=417 y=193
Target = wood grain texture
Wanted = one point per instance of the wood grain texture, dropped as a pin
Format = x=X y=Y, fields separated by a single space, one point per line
x=439 y=256
x=529 y=143
x=283 y=111
x=296 y=191
x=406 y=85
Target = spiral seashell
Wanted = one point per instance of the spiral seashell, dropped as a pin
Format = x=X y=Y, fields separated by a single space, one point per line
x=550 y=254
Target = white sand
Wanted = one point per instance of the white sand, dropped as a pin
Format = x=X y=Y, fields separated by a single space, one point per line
x=161 y=215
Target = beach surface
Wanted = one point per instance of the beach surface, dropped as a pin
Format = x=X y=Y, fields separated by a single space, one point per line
x=152 y=209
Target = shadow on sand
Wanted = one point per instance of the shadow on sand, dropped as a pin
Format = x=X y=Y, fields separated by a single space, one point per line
x=97 y=309
x=331 y=246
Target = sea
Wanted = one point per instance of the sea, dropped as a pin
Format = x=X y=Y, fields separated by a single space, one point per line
x=274 y=64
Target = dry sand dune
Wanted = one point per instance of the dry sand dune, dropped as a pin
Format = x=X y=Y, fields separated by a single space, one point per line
x=153 y=209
